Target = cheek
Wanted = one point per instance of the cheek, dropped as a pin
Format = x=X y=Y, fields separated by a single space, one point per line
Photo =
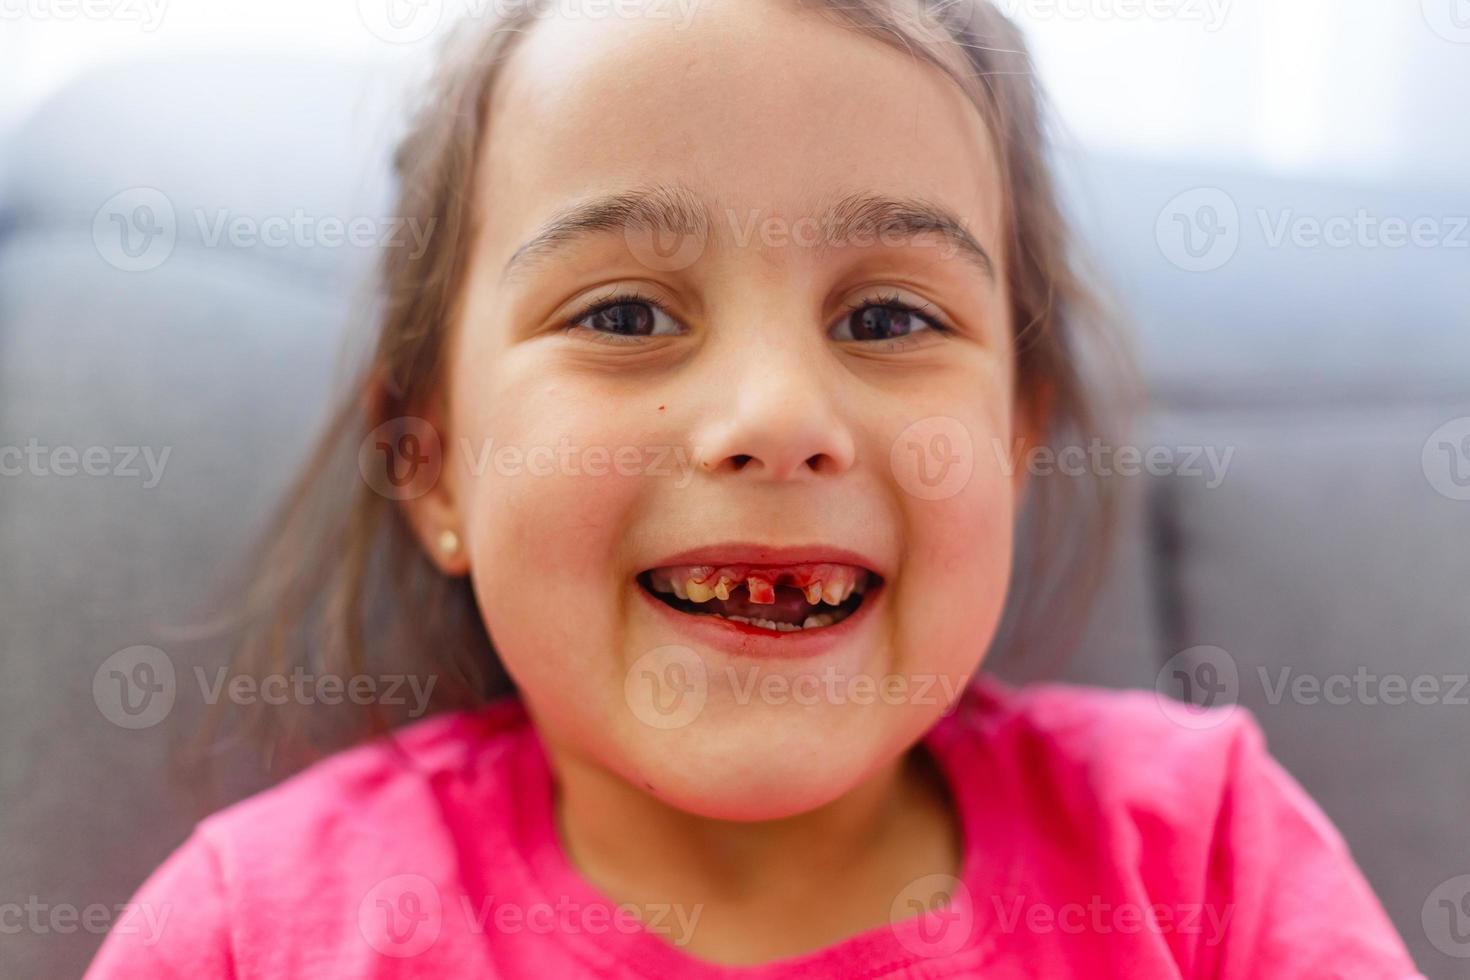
x=544 y=501
x=956 y=585
x=958 y=498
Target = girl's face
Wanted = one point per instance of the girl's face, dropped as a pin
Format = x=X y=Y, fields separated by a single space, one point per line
x=759 y=412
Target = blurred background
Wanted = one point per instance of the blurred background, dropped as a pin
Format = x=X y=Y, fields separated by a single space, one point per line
x=1347 y=89
x=1277 y=191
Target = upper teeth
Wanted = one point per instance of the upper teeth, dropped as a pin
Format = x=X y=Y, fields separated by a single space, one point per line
x=829 y=583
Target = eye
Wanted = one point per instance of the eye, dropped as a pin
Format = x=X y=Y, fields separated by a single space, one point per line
x=623 y=319
x=879 y=318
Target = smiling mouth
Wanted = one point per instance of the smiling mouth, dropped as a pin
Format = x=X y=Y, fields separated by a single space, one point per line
x=778 y=598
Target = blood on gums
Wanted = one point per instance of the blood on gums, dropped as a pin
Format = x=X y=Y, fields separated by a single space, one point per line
x=760 y=583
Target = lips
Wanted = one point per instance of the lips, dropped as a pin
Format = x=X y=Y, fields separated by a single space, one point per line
x=751 y=586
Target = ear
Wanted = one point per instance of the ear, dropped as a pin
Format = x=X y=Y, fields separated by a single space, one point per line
x=406 y=459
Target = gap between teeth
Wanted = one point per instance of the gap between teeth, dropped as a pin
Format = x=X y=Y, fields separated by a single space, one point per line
x=817 y=592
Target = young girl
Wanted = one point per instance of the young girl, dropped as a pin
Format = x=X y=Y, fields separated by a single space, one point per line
x=699 y=407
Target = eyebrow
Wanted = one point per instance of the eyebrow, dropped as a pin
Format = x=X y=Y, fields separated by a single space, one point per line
x=673 y=210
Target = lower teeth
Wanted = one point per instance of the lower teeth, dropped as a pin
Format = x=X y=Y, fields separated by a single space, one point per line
x=811 y=622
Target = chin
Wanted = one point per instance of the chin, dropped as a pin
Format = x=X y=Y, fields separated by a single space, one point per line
x=760 y=767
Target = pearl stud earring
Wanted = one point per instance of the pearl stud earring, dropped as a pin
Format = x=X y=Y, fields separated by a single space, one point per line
x=448 y=542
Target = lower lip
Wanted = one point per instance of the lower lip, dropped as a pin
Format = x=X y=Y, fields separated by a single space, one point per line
x=742 y=639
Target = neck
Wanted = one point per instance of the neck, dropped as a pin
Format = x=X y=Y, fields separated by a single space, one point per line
x=850 y=857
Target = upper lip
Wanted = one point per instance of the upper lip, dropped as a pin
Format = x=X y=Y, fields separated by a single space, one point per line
x=752 y=553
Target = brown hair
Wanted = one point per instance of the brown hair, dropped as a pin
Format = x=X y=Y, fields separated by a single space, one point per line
x=340 y=585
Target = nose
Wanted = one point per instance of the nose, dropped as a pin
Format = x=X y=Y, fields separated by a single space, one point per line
x=778 y=422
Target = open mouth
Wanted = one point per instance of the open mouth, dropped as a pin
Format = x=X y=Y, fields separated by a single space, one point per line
x=778 y=598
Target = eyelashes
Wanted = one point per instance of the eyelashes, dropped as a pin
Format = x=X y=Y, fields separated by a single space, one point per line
x=578 y=322
x=624 y=332
x=923 y=312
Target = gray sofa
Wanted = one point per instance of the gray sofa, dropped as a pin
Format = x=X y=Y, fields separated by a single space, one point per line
x=1336 y=541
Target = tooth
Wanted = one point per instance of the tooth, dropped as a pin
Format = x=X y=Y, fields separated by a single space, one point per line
x=861 y=585
x=760 y=590
x=698 y=591
x=678 y=587
x=815 y=620
x=814 y=593
x=722 y=588
x=840 y=586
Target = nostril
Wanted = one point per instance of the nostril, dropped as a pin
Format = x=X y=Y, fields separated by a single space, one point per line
x=740 y=460
x=822 y=463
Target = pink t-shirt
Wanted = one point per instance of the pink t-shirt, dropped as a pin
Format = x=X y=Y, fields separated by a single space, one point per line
x=1103 y=838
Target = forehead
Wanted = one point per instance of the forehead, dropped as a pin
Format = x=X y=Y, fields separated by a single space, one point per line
x=761 y=109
